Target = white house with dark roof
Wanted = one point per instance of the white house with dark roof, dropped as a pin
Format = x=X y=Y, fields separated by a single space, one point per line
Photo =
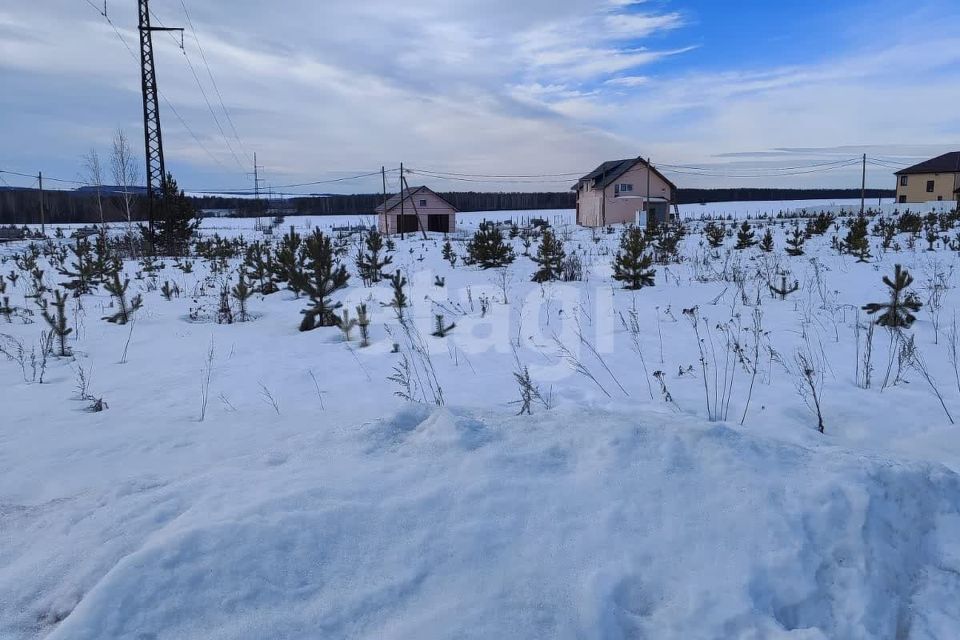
x=415 y=209
x=627 y=191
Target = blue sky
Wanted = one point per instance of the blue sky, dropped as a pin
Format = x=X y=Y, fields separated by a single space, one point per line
x=326 y=90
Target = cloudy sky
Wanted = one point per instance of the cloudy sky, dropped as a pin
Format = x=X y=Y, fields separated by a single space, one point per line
x=327 y=89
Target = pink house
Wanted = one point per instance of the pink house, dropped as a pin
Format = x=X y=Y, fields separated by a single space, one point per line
x=627 y=191
x=414 y=209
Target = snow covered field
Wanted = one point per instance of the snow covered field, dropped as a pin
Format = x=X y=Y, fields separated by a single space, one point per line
x=312 y=502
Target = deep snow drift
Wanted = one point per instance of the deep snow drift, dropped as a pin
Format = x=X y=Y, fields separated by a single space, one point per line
x=310 y=502
x=443 y=524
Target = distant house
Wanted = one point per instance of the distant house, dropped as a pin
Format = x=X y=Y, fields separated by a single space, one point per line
x=624 y=192
x=414 y=209
x=934 y=179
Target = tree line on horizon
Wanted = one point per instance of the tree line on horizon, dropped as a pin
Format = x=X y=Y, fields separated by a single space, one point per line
x=20 y=206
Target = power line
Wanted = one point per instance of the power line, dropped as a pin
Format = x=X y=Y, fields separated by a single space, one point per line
x=848 y=163
x=299 y=184
x=763 y=169
x=162 y=96
x=486 y=175
x=497 y=181
x=203 y=92
x=331 y=181
x=886 y=164
x=759 y=172
x=213 y=81
x=34 y=176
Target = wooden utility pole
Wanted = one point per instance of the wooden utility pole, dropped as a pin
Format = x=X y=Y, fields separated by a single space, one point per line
x=863 y=185
x=400 y=219
x=383 y=174
x=416 y=214
x=603 y=196
x=43 y=228
x=646 y=202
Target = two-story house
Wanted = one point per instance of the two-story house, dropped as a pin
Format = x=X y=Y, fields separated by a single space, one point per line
x=627 y=191
x=934 y=179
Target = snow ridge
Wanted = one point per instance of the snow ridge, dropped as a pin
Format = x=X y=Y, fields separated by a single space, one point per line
x=456 y=523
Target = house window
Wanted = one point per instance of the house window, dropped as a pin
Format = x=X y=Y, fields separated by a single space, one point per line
x=903 y=181
x=939 y=198
x=903 y=199
x=624 y=188
x=423 y=203
x=929 y=186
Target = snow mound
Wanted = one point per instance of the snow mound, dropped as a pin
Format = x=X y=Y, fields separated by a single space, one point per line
x=449 y=524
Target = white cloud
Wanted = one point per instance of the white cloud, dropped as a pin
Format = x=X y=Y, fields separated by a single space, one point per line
x=491 y=86
x=628 y=81
x=638 y=25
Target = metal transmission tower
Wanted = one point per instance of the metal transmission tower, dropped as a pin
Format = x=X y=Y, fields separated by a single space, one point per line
x=152 y=137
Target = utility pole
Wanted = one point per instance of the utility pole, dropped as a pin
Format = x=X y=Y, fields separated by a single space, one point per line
x=404 y=187
x=256 y=177
x=401 y=219
x=383 y=174
x=256 y=187
x=646 y=202
x=152 y=137
x=603 y=196
x=43 y=228
x=863 y=185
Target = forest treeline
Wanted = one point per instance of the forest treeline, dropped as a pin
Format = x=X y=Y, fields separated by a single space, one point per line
x=18 y=206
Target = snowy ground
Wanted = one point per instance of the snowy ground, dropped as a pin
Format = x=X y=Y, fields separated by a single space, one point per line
x=312 y=502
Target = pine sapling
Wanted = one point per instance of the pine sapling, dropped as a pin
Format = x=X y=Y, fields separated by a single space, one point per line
x=766 y=242
x=784 y=290
x=370 y=265
x=241 y=292
x=324 y=275
x=118 y=290
x=346 y=324
x=58 y=322
x=898 y=312
x=441 y=330
x=857 y=240
x=38 y=286
x=258 y=262
x=363 y=321
x=448 y=254
x=632 y=264
x=289 y=264
x=488 y=249
x=795 y=242
x=83 y=274
x=715 y=234
x=169 y=290
x=666 y=242
x=550 y=257
x=399 y=301
x=745 y=236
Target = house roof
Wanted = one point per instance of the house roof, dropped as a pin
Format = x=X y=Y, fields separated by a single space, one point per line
x=406 y=194
x=947 y=163
x=608 y=173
